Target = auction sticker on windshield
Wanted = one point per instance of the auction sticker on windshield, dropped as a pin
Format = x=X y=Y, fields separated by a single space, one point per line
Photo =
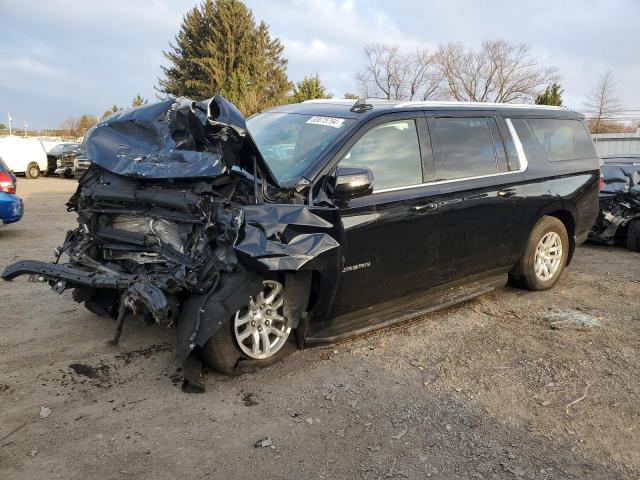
x=326 y=121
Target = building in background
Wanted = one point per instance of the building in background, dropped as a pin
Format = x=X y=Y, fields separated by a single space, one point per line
x=617 y=143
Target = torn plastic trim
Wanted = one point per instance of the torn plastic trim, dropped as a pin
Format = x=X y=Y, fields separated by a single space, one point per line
x=204 y=314
x=62 y=277
x=54 y=272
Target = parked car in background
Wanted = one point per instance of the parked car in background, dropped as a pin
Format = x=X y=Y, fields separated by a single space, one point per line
x=60 y=159
x=619 y=217
x=80 y=165
x=311 y=222
x=24 y=155
x=11 y=206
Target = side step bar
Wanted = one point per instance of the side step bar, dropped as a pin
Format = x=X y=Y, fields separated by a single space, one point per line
x=45 y=271
x=402 y=309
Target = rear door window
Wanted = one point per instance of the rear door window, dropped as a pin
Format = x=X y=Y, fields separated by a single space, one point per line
x=562 y=139
x=463 y=147
x=392 y=152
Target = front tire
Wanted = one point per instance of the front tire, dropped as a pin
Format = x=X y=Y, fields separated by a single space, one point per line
x=33 y=171
x=544 y=257
x=257 y=335
x=633 y=235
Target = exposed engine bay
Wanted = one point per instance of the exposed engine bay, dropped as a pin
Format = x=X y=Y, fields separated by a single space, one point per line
x=619 y=202
x=178 y=216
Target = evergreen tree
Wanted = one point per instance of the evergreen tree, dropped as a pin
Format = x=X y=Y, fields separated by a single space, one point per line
x=138 y=101
x=221 y=49
x=552 y=95
x=86 y=122
x=308 y=89
x=114 y=108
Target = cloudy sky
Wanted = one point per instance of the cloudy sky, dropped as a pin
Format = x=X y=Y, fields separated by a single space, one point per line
x=69 y=57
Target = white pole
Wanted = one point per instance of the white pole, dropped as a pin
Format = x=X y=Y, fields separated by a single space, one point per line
x=9 y=115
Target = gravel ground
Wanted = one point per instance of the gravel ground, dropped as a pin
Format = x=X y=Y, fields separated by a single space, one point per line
x=514 y=384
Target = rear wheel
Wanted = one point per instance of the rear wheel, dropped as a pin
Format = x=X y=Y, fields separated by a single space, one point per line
x=257 y=335
x=544 y=257
x=633 y=235
x=33 y=171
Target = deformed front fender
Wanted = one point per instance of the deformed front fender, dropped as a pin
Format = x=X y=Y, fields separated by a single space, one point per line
x=294 y=238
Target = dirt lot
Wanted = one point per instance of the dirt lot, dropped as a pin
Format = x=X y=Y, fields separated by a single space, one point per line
x=481 y=390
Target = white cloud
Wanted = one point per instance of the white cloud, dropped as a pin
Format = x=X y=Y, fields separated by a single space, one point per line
x=80 y=57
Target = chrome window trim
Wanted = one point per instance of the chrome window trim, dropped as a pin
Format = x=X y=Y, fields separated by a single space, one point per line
x=522 y=160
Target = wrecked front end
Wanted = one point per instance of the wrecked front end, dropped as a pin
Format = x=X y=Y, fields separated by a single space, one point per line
x=619 y=203
x=174 y=226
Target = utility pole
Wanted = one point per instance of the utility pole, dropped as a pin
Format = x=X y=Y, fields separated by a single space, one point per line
x=10 y=119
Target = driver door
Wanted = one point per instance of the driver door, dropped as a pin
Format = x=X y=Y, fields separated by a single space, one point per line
x=387 y=247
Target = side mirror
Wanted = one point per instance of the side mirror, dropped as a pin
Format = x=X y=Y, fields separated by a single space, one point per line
x=353 y=182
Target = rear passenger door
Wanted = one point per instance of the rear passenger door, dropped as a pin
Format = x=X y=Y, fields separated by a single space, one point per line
x=481 y=193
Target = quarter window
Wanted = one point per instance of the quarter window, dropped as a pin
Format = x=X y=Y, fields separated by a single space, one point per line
x=562 y=139
x=392 y=152
x=463 y=147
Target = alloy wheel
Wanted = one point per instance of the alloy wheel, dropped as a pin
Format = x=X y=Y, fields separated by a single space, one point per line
x=260 y=328
x=548 y=256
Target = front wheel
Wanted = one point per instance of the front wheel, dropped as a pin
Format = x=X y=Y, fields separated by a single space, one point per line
x=544 y=257
x=33 y=171
x=633 y=235
x=257 y=335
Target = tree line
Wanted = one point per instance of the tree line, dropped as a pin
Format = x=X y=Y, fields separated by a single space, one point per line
x=220 y=48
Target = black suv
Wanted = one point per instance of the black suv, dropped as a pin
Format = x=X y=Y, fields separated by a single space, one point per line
x=60 y=159
x=311 y=222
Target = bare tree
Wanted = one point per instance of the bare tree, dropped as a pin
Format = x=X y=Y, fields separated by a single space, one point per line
x=389 y=74
x=602 y=104
x=71 y=125
x=497 y=72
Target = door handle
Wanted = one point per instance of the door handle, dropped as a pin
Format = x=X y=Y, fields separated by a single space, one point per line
x=426 y=207
x=506 y=193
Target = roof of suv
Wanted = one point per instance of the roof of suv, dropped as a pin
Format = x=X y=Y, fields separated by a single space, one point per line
x=343 y=108
x=622 y=158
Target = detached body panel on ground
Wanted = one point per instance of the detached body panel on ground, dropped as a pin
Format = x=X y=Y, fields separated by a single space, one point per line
x=315 y=221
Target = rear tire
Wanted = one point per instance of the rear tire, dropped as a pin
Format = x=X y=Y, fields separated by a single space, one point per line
x=230 y=350
x=633 y=235
x=33 y=171
x=544 y=257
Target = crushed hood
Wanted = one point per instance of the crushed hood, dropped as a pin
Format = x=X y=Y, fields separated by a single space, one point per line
x=176 y=138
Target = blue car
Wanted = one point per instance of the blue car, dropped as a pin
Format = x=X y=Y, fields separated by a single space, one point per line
x=11 y=207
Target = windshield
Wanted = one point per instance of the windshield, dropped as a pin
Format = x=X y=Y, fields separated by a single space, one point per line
x=291 y=142
x=63 y=147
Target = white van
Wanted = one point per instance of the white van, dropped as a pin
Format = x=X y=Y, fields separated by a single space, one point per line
x=24 y=155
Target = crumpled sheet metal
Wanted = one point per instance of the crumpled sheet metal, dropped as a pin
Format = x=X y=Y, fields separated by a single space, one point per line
x=175 y=138
x=619 y=179
x=286 y=237
x=619 y=202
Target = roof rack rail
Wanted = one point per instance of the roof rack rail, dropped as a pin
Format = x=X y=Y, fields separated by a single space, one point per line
x=361 y=105
x=430 y=103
